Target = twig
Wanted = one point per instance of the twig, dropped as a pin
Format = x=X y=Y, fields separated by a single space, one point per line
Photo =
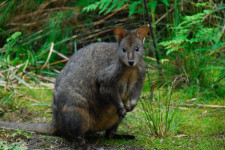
x=60 y=61
x=2 y=3
x=46 y=79
x=153 y=38
x=109 y=16
x=202 y=105
x=163 y=16
x=95 y=34
x=216 y=50
x=31 y=99
x=42 y=10
x=60 y=54
x=49 y=55
x=152 y=92
x=12 y=67
x=42 y=6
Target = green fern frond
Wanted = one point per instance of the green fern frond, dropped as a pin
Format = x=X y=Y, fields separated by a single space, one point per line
x=91 y=7
x=108 y=6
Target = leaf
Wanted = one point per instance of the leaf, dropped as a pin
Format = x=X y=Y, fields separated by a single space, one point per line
x=152 y=5
x=104 y=4
x=174 y=49
x=165 y=2
x=14 y=36
x=152 y=138
x=113 y=5
x=132 y=7
x=222 y=75
x=164 y=61
x=201 y=4
x=120 y=4
x=91 y=7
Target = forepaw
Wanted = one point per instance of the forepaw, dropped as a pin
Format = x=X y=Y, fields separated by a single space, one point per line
x=129 y=108
x=122 y=112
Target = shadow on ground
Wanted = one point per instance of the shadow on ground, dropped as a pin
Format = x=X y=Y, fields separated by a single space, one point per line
x=32 y=141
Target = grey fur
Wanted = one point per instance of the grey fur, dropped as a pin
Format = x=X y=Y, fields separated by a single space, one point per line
x=97 y=87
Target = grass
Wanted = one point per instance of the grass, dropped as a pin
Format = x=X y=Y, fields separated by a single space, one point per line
x=196 y=128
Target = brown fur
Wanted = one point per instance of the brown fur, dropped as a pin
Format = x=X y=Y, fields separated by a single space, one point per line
x=127 y=81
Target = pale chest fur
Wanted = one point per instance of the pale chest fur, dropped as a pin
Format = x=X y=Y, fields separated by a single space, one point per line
x=127 y=82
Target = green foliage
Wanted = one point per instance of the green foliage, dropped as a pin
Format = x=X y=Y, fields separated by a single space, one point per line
x=190 y=51
x=108 y=6
x=5 y=145
x=13 y=52
x=105 y=5
x=160 y=115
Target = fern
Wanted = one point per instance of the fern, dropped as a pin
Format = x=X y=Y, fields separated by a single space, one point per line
x=108 y=6
x=192 y=51
x=153 y=5
x=190 y=31
x=91 y=7
x=132 y=7
x=102 y=5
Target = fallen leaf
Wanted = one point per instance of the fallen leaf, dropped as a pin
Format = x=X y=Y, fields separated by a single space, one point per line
x=152 y=138
x=180 y=135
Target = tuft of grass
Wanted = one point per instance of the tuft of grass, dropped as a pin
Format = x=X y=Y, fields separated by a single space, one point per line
x=160 y=116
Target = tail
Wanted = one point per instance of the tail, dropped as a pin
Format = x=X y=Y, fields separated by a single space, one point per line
x=46 y=128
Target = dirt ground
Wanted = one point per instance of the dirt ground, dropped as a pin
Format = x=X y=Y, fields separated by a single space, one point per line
x=33 y=141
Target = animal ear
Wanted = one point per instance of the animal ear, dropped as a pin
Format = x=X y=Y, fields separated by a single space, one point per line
x=119 y=33
x=142 y=32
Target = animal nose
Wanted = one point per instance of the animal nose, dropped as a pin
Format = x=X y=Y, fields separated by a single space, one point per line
x=131 y=62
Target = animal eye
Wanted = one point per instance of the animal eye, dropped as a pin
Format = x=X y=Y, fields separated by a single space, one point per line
x=124 y=50
x=137 y=48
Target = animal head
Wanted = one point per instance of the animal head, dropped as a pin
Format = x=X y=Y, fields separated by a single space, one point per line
x=131 y=48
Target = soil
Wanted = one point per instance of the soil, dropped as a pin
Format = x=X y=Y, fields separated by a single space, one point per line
x=33 y=141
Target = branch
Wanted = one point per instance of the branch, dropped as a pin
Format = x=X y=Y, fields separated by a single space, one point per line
x=202 y=105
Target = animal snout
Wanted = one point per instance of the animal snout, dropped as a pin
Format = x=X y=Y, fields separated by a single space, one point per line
x=131 y=62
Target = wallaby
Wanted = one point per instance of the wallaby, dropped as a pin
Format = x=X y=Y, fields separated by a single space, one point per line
x=98 y=86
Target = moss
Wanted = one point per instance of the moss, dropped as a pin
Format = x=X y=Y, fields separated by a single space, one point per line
x=203 y=127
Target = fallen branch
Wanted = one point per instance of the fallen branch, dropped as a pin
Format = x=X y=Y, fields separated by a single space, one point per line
x=58 y=62
x=46 y=79
x=202 y=105
x=31 y=99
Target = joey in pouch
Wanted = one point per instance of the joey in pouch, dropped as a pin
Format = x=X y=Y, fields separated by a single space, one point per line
x=99 y=84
